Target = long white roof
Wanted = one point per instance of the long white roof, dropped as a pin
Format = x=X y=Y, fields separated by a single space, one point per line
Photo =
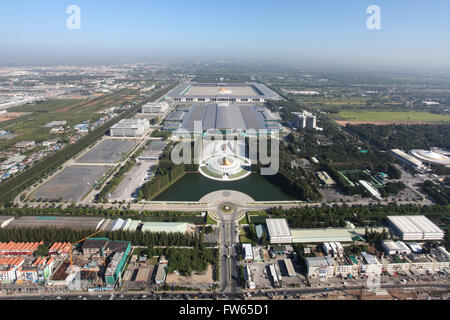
x=414 y=224
x=278 y=228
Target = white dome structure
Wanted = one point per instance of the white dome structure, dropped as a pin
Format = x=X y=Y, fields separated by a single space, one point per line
x=431 y=157
x=225 y=168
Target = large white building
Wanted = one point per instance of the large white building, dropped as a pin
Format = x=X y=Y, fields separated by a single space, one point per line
x=247 y=251
x=278 y=231
x=155 y=108
x=398 y=247
x=415 y=228
x=130 y=128
x=373 y=192
x=320 y=267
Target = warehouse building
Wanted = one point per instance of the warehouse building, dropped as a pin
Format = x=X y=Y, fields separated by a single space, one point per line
x=155 y=108
x=317 y=235
x=415 y=228
x=130 y=128
x=278 y=231
x=398 y=247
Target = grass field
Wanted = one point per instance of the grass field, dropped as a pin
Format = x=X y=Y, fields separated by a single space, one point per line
x=386 y=116
x=321 y=101
x=31 y=125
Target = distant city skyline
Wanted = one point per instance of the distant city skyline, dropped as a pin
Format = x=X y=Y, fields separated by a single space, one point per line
x=413 y=33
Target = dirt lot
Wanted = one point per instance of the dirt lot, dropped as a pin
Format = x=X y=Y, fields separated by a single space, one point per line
x=11 y=115
x=201 y=281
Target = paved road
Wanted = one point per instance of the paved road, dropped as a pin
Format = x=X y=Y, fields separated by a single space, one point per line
x=228 y=243
x=209 y=295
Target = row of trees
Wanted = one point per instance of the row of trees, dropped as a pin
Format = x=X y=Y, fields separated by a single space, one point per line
x=404 y=137
x=114 y=182
x=95 y=212
x=440 y=194
x=373 y=215
x=294 y=181
x=50 y=235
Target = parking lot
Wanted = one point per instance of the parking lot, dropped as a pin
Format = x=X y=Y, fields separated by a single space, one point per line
x=133 y=180
x=72 y=184
x=108 y=151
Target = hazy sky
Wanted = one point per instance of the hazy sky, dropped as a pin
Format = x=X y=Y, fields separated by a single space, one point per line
x=413 y=32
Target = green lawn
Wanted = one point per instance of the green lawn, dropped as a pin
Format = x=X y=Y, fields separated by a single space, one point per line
x=411 y=116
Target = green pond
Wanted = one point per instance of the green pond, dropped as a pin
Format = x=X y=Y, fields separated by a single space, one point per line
x=193 y=186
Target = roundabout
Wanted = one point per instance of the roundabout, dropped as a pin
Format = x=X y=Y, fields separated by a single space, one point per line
x=227 y=208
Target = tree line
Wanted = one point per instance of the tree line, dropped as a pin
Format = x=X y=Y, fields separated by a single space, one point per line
x=137 y=238
x=372 y=215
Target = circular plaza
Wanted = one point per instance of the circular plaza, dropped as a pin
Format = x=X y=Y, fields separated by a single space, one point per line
x=225 y=167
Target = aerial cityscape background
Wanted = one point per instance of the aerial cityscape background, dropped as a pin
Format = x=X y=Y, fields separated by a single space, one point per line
x=233 y=150
x=321 y=32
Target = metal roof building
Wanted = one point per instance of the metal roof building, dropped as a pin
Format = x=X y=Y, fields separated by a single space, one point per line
x=289 y=267
x=220 y=92
x=155 y=107
x=130 y=128
x=164 y=226
x=160 y=276
x=175 y=116
x=407 y=159
x=278 y=231
x=316 y=235
x=415 y=228
x=223 y=116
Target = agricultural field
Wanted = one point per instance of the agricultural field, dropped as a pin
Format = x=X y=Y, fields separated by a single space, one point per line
x=322 y=102
x=31 y=125
x=386 y=117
